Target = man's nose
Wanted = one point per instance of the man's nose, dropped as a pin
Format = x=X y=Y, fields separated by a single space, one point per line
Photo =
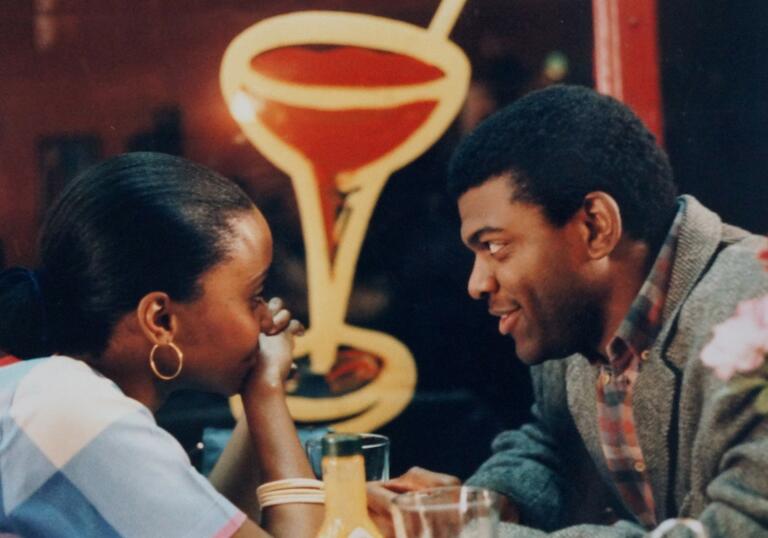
x=482 y=282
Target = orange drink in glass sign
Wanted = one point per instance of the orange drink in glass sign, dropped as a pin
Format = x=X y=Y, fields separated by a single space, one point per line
x=339 y=101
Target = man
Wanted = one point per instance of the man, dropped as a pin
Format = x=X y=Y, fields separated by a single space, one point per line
x=609 y=286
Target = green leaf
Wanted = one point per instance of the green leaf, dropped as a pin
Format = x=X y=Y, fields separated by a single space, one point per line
x=761 y=404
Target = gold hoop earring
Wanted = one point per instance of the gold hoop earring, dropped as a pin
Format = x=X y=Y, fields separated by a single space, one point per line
x=154 y=368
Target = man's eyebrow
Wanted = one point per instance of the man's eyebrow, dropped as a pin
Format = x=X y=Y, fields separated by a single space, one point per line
x=474 y=239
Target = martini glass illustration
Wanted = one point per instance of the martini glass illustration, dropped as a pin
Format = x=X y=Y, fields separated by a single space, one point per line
x=339 y=101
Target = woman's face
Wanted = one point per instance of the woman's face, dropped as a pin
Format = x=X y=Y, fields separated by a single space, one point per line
x=219 y=332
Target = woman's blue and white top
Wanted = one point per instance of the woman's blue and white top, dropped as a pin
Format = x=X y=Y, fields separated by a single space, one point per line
x=79 y=458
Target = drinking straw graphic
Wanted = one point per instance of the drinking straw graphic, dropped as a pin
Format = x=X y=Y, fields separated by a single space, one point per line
x=445 y=17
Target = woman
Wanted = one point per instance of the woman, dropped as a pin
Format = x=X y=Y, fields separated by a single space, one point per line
x=150 y=280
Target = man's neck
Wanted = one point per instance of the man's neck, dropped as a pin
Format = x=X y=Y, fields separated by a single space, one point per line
x=630 y=266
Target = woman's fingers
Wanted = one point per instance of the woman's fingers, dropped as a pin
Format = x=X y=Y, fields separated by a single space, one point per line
x=275 y=304
x=295 y=327
x=281 y=317
x=280 y=321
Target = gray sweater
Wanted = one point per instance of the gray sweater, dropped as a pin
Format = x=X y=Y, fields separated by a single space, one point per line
x=706 y=449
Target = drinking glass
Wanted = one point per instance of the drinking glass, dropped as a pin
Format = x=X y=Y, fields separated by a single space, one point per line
x=449 y=512
x=375 y=454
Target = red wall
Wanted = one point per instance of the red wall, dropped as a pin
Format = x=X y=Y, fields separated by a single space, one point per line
x=103 y=66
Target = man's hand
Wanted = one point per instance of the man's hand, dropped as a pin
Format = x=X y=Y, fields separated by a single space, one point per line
x=380 y=494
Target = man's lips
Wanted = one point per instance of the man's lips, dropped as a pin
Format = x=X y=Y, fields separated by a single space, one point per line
x=507 y=319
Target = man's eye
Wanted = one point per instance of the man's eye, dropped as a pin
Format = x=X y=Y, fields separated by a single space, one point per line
x=494 y=246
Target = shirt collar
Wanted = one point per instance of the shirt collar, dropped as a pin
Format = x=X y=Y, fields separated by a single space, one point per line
x=642 y=323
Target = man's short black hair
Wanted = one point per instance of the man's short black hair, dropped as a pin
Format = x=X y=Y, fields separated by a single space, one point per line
x=559 y=144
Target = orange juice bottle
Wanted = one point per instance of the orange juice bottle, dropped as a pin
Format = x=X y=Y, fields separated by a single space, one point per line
x=346 y=508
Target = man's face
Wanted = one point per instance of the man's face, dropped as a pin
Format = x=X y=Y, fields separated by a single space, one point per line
x=530 y=272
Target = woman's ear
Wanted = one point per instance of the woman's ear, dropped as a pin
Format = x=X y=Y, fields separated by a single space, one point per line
x=602 y=224
x=156 y=318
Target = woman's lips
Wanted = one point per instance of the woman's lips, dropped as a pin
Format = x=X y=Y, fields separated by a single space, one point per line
x=508 y=321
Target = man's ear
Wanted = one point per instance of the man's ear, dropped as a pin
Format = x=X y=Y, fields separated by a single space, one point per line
x=156 y=318
x=602 y=224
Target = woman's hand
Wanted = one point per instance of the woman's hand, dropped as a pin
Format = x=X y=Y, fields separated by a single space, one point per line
x=274 y=362
x=275 y=449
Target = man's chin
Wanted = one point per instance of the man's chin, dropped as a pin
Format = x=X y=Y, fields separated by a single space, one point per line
x=531 y=360
x=533 y=355
x=530 y=354
x=526 y=355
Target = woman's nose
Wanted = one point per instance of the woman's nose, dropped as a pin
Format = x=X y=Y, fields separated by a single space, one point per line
x=266 y=323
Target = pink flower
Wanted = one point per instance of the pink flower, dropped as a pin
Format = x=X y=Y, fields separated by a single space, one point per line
x=763 y=257
x=741 y=342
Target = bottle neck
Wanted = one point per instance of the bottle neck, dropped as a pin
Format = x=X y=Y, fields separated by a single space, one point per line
x=344 y=479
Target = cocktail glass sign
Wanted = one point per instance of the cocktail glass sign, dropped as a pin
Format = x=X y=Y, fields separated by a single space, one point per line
x=339 y=101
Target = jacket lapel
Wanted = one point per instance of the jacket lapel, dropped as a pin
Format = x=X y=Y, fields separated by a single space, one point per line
x=657 y=389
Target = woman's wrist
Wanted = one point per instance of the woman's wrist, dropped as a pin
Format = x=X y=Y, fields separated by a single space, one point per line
x=263 y=393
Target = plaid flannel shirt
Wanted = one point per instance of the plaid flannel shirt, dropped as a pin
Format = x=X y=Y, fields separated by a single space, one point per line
x=626 y=351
